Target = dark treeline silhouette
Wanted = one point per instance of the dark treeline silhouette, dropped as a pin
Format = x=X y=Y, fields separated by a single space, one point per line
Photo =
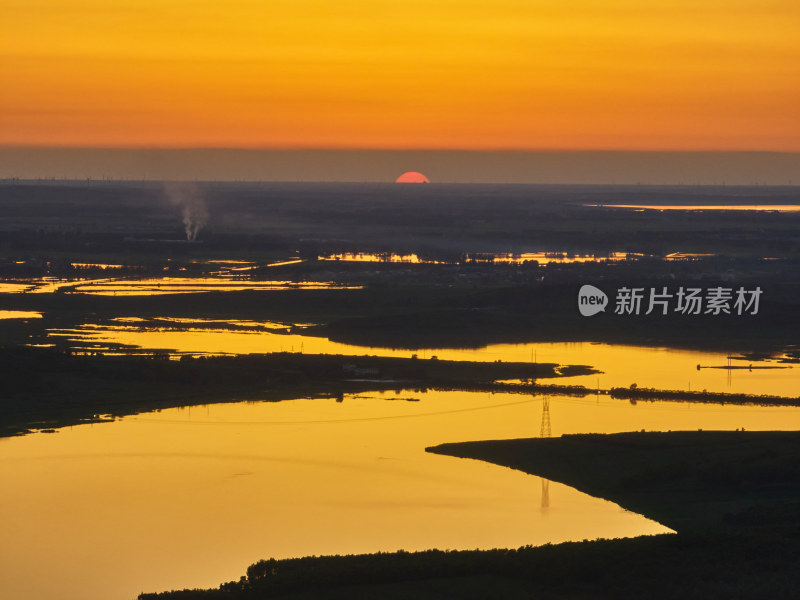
x=637 y=393
x=701 y=565
x=48 y=387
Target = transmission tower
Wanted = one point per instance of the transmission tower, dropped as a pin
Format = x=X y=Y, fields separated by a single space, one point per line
x=545 y=433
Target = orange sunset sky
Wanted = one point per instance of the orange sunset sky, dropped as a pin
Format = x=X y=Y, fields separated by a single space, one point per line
x=391 y=74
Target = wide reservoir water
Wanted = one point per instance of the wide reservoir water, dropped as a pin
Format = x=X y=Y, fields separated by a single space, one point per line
x=190 y=497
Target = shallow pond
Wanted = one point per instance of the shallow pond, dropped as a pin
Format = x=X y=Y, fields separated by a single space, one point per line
x=19 y=314
x=190 y=497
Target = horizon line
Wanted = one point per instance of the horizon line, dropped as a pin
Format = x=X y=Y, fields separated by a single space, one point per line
x=488 y=150
x=6 y=180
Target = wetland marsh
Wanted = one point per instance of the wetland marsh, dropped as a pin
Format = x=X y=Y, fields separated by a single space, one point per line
x=268 y=388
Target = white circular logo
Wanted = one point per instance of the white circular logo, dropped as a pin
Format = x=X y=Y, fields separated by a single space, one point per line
x=591 y=300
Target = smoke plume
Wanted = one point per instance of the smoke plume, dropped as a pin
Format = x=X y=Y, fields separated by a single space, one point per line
x=188 y=197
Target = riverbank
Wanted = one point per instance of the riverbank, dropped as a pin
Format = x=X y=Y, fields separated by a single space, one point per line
x=733 y=497
x=45 y=388
x=687 y=480
x=420 y=314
